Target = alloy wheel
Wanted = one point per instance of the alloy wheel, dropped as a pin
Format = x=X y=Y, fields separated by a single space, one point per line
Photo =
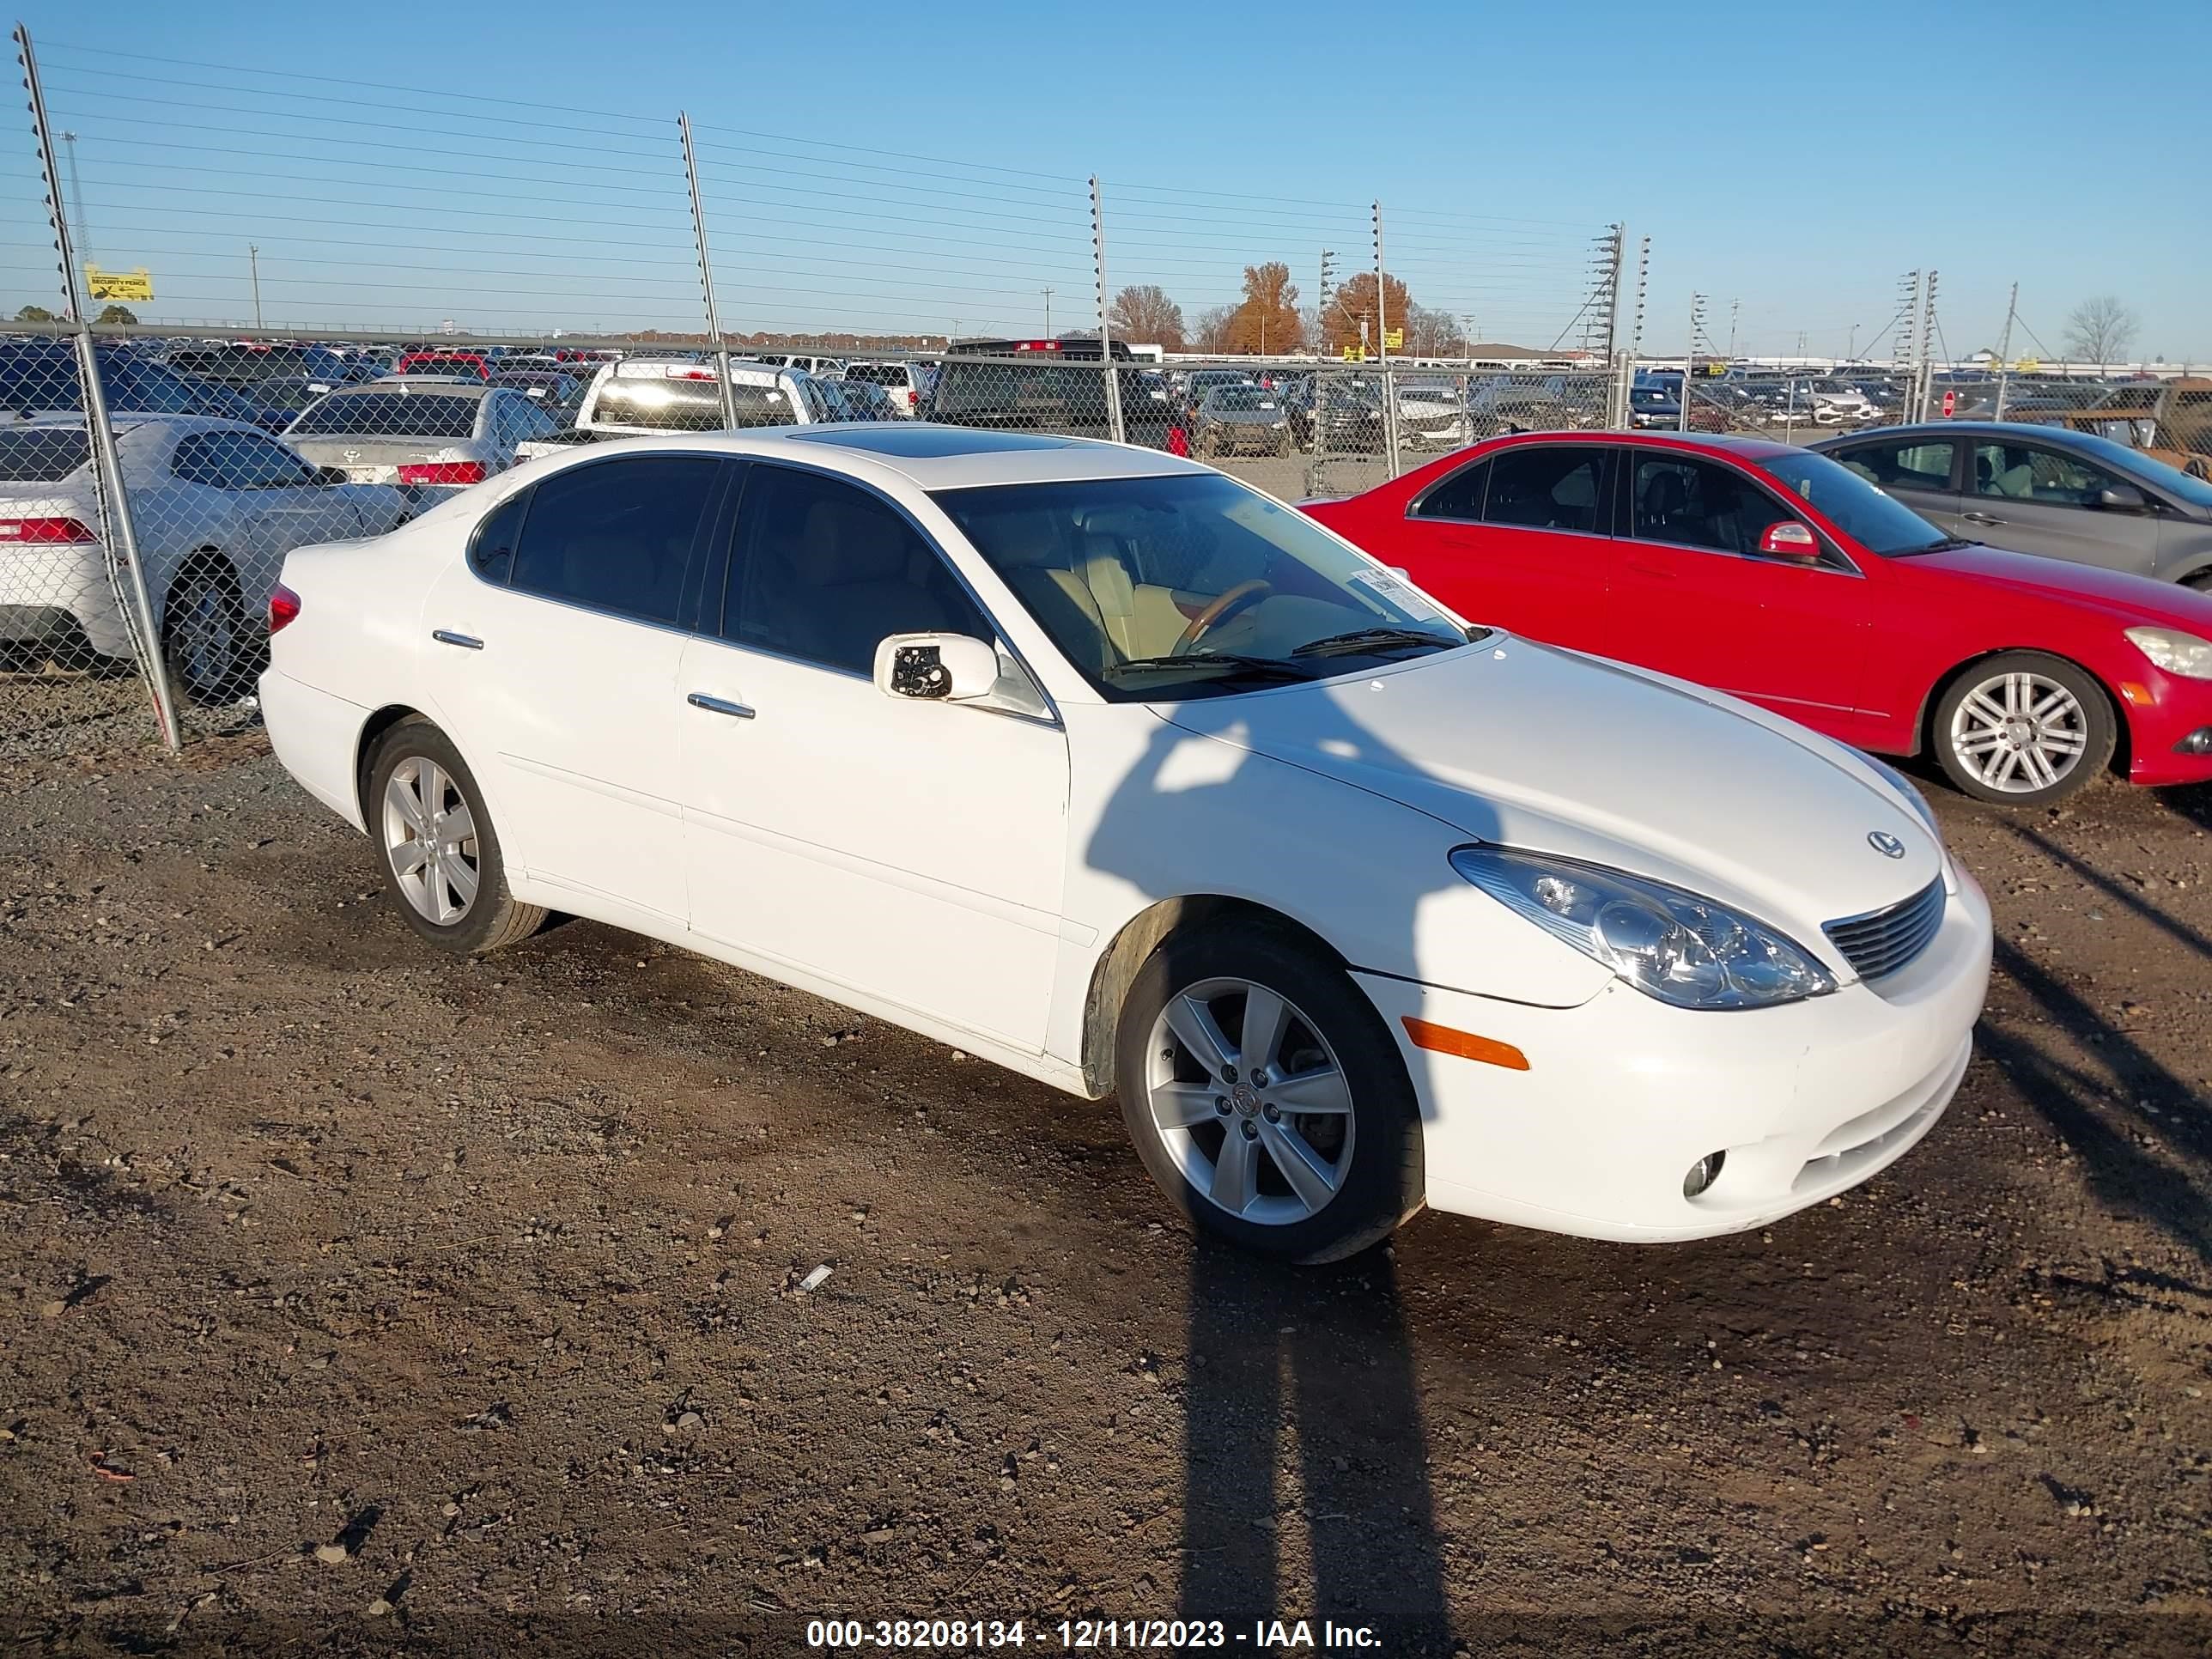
x=1251 y=1101
x=430 y=838
x=2019 y=732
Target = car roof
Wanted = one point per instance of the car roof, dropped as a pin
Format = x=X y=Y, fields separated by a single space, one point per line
x=2024 y=431
x=419 y=385
x=928 y=456
x=1726 y=443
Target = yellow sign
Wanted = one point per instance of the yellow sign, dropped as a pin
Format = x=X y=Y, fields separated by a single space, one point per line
x=118 y=284
x=1393 y=338
x=1355 y=354
x=2028 y=365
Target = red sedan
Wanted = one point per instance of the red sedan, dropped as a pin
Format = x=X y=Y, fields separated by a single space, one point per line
x=1773 y=573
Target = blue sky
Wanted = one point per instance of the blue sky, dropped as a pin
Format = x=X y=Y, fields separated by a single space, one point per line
x=898 y=166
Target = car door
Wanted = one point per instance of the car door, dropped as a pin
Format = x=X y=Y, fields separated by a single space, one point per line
x=1696 y=599
x=555 y=650
x=1519 y=539
x=908 y=850
x=1920 y=471
x=2038 y=498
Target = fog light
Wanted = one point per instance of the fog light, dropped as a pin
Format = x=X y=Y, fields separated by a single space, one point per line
x=2198 y=742
x=1703 y=1173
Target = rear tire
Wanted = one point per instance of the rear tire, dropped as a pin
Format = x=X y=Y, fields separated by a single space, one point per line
x=442 y=863
x=1316 y=1161
x=2024 y=729
x=210 y=653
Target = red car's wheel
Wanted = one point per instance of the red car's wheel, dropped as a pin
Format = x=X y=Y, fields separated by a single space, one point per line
x=2024 y=729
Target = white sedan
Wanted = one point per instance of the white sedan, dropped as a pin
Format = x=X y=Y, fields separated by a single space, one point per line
x=216 y=504
x=1099 y=764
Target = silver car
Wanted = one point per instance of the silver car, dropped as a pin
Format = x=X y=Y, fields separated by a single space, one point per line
x=2035 y=488
x=431 y=433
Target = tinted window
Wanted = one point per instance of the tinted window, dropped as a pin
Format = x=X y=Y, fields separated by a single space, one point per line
x=1696 y=503
x=491 y=550
x=150 y=389
x=1547 y=487
x=1913 y=463
x=617 y=535
x=1459 y=497
x=43 y=454
x=237 y=460
x=2025 y=472
x=390 y=414
x=823 y=571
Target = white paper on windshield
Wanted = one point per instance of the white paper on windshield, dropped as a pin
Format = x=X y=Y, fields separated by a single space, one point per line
x=1407 y=597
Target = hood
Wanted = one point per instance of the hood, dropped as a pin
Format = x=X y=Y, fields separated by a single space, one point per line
x=2130 y=599
x=1528 y=746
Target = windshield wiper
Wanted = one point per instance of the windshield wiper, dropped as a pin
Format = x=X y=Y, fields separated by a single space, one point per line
x=1946 y=545
x=1360 y=640
x=1272 y=667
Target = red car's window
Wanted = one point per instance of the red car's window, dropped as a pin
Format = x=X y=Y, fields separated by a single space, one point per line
x=1693 y=503
x=1547 y=487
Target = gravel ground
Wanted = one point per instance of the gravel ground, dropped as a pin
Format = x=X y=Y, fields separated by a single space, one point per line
x=353 y=1300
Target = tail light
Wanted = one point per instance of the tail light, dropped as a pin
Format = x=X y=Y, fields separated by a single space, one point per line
x=283 y=605
x=443 y=472
x=45 y=532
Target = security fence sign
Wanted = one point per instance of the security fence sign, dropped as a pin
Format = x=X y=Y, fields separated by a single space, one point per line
x=118 y=284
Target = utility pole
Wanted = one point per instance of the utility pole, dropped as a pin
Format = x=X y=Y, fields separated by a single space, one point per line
x=254 y=264
x=76 y=201
x=1321 y=301
x=1382 y=341
x=2004 y=350
x=1852 y=350
x=1114 y=428
x=1735 y=306
x=1048 y=313
x=1690 y=361
x=707 y=278
x=1927 y=343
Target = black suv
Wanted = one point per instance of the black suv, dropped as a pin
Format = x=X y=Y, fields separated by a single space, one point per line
x=1044 y=386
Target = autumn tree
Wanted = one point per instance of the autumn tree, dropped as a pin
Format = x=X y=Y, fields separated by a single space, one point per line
x=1268 y=321
x=1354 y=299
x=1143 y=315
x=1210 y=333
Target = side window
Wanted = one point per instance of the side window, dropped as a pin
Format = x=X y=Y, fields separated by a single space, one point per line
x=150 y=389
x=491 y=550
x=1547 y=487
x=823 y=571
x=616 y=535
x=253 y=462
x=1694 y=503
x=2026 y=473
x=195 y=462
x=1459 y=497
x=1919 y=465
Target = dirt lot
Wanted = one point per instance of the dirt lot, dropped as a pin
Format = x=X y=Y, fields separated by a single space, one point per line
x=352 y=1299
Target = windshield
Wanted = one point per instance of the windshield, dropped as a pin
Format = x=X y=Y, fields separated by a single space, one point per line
x=1191 y=586
x=2149 y=469
x=389 y=414
x=1244 y=398
x=1862 y=511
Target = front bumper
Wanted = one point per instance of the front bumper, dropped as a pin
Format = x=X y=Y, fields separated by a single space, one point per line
x=2162 y=711
x=1622 y=1095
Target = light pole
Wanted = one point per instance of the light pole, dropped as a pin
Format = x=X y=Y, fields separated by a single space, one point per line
x=1048 y=313
x=1852 y=350
x=254 y=264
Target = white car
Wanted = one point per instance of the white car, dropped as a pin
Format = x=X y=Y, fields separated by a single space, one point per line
x=650 y=396
x=216 y=505
x=1097 y=763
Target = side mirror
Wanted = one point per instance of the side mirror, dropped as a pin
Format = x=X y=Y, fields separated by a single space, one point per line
x=1788 y=540
x=2122 y=498
x=935 y=667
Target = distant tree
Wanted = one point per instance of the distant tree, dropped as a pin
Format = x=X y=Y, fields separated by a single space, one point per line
x=2102 y=329
x=1433 y=333
x=1355 y=299
x=1268 y=321
x=1210 y=333
x=1143 y=315
x=116 y=314
x=35 y=314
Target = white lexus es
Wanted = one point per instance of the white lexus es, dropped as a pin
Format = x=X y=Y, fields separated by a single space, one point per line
x=1095 y=763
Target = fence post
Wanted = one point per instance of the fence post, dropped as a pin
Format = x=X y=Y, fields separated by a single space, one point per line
x=1114 y=428
x=707 y=278
x=119 y=539
x=1382 y=345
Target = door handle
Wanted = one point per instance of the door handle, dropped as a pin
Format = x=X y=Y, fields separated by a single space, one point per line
x=720 y=706
x=466 y=642
x=1980 y=518
x=1658 y=570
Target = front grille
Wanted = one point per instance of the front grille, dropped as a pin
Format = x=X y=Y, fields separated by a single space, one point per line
x=1882 y=941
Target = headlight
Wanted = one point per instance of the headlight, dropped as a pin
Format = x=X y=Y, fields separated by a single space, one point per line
x=2175 y=651
x=1668 y=943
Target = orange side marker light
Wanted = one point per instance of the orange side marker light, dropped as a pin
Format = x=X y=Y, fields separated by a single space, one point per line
x=1443 y=1040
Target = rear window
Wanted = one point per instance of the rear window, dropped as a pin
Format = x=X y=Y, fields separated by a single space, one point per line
x=44 y=456
x=390 y=414
x=657 y=405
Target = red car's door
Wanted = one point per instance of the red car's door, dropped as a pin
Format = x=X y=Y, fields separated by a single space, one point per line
x=1516 y=539
x=1696 y=597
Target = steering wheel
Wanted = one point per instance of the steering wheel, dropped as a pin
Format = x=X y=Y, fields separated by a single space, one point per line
x=1235 y=599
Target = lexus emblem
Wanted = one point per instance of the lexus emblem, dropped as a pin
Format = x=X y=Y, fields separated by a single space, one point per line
x=1886 y=844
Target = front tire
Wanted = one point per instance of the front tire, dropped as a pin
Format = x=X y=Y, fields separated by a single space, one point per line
x=441 y=857
x=205 y=638
x=2024 y=729
x=1265 y=1097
